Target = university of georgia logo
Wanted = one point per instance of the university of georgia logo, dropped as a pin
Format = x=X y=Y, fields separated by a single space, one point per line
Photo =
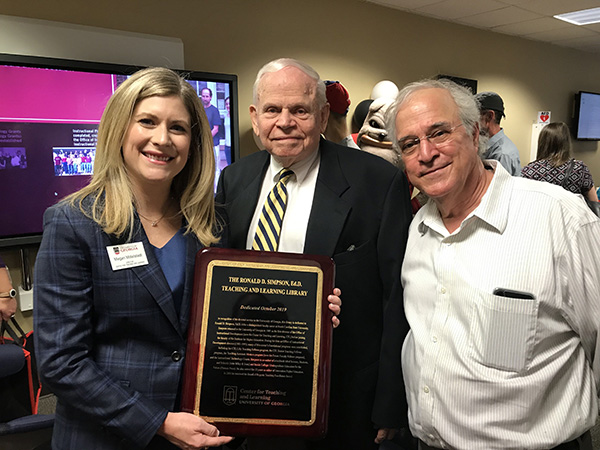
x=116 y=250
x=229 y=395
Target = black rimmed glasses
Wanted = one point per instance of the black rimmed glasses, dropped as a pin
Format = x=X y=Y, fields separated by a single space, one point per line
x=439 y=137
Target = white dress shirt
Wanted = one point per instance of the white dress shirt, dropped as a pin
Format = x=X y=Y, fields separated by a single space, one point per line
x=301 y=191
x=483 y=371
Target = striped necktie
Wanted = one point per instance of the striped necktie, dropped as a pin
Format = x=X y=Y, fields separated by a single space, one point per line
x=271 y=217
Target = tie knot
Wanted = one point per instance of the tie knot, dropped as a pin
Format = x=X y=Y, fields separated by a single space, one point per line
x=285 y=175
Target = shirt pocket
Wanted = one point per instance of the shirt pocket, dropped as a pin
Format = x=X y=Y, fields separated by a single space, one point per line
x=503 y=331
x=355 y=254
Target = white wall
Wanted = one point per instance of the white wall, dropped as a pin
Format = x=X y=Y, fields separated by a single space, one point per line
x=36 y=37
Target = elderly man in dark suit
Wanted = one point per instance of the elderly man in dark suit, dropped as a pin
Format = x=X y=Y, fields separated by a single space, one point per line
x=339 y=202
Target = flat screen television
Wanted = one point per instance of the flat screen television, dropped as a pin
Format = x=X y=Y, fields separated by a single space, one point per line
x=587 y=116
x=466 y=82
x=49 y=115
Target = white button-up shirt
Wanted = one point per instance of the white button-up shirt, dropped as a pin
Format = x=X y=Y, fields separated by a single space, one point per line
x=486 y=371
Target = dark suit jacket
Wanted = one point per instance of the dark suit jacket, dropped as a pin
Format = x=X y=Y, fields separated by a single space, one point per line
x=109 y=343
x=360 y=217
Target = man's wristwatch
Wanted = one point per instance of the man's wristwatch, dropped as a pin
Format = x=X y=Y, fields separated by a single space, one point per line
x=9 y=294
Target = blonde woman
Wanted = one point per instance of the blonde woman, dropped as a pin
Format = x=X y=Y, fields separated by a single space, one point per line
x=114 y=274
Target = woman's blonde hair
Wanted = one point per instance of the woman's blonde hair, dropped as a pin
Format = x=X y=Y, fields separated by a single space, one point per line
x=108 y=198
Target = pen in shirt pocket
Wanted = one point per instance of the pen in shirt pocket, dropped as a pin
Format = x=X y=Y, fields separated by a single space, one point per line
x=509 y=293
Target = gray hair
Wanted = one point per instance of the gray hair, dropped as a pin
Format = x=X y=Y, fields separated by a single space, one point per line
x=468 y=107
x=281 y=63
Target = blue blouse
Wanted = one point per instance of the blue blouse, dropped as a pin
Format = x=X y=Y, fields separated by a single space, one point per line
x=171 y=258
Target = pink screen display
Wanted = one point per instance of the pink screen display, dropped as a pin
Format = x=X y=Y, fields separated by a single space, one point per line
x=56 y=96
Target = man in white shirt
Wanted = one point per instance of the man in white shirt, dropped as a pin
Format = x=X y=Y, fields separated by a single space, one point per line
x=501 y=289
x=343 y=203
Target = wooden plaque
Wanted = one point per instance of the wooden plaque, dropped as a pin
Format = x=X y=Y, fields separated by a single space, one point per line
x=258 y=357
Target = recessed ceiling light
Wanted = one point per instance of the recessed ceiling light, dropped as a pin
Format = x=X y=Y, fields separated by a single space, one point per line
x=583 y=17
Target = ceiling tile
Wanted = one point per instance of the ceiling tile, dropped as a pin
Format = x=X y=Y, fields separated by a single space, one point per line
x=532 y=26
x=531 y=19
x=562 y=34
x=552 y=7
x=454 y=9
x=595 y=27
x=504 y=16
x=404 y=4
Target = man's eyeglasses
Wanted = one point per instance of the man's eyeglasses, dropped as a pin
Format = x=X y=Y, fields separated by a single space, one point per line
x=439 y=137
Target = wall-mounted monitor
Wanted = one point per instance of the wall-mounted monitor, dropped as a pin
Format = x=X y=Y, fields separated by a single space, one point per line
x=466 y=82
x=587 y=116
x=49 y=115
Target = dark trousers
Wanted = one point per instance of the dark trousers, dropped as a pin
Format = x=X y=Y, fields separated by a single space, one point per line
x=583 y=442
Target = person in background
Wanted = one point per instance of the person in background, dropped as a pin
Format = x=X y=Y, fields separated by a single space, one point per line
x=358 y=118
x=501 y=285
x=57 y=164
x=65 y=164
x=212 y=113
x=111 y=338
x=227 y=123
x=8 y=300
x=339 y=104
x=70 y=160
x=214 y=121
x=22 y=160
x=554 y=162
x=15 y=161
x=499 y=146
x=343 y=203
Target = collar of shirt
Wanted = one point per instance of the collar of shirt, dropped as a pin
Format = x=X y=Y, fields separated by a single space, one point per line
x=496 y=138
x=493 y=208
x=301 y=168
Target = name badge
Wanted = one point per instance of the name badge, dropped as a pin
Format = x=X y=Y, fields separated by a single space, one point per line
x=127 y=255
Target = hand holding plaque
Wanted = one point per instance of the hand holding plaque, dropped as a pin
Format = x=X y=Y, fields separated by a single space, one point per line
x=259 y=344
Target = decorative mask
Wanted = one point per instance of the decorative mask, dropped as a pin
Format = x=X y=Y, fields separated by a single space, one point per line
x=374 y=137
